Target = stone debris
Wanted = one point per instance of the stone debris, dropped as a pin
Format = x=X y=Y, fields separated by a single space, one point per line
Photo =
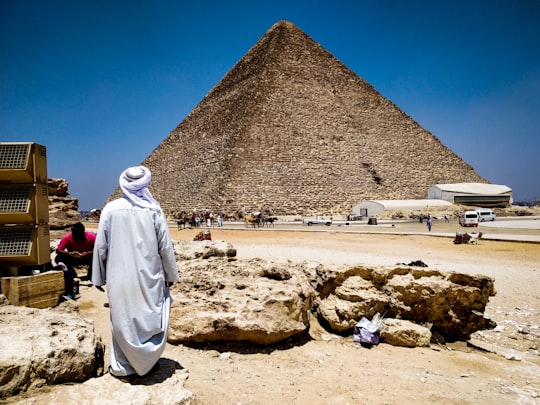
x=254 y=301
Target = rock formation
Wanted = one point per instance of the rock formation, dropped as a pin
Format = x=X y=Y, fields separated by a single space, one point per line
x=265 y=302
x=290 y=129
x=247 y=301
x=45 y=347
x=63 y=209
x=453 y=303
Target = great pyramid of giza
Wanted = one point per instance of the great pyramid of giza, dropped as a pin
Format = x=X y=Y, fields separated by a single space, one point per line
x=291 y=130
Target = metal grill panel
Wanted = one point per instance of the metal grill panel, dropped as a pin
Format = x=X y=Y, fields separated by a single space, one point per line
x=24 y=245
x=14 y=200
x=24 y=204
x=14 y=156
x=15 y=242
x=23 y=162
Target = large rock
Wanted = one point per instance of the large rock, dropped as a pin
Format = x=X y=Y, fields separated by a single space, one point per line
x=252 y=301
x=453 y=303
x=58 y=187
x=203 y=249
x=63 y=209
x=63 y=212
x=46 y=346
x=266 y=302
x=398 y=332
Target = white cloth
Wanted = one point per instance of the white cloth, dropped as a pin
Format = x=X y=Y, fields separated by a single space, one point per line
x=134 y=183
x=134 y=257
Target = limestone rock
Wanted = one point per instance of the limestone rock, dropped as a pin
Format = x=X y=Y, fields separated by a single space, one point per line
x=266 y=302
x=46 y=346
x=252 y=301
x=398 y=332
x=453 y=302
x=204 y=249
x=63 y=210
x=58 y=187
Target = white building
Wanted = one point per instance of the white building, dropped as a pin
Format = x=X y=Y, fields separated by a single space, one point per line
x=373 y=207
x=473 y=194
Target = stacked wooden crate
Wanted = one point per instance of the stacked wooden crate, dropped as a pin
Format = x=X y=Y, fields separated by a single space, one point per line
x=37 y=291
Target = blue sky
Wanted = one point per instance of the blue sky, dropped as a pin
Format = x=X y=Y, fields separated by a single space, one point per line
x=101 y=83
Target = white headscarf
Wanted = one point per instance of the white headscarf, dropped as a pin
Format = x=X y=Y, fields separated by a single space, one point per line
x=134 y=183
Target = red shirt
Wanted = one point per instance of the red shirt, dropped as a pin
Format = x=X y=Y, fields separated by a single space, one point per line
x=71 y=245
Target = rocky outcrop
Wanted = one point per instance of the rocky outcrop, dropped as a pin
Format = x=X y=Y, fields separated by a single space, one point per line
x=265 y=302
x=63 y=210
x=453 y=303
x=251 y=301
x=58 y=187
x=46 y=346
x=204 y=249
x=55 y=346
x=222 y=299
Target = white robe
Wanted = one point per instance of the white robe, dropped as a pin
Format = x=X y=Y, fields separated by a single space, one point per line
x=134 y=257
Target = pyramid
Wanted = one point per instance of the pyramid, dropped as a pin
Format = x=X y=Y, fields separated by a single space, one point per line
x=291 y=130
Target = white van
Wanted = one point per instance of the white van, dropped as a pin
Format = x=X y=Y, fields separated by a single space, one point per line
x=468 y=218
x=485 y=214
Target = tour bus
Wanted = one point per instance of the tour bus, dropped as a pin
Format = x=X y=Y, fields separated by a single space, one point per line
x=485 y=214
x=468 y=218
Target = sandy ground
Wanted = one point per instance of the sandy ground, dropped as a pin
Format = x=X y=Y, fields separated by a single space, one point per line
x=328 y=369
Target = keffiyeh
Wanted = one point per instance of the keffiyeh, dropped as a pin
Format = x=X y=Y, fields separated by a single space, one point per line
x=134 y=183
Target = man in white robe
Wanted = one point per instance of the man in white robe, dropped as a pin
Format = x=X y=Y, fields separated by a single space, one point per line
x=134 y=257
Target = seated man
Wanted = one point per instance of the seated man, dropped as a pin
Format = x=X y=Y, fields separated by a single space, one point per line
x=76 y=248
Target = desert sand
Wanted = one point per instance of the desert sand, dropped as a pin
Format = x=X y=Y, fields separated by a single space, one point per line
x=324 y=368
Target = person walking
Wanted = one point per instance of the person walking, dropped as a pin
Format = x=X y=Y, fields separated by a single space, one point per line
x=134 y=258
x=208 y=218
x=429 y=222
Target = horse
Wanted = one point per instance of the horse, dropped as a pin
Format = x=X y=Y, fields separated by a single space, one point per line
x=270 y=221
x=181 y=222
x=186 y=221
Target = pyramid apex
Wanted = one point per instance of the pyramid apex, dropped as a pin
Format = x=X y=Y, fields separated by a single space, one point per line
x=283 y=23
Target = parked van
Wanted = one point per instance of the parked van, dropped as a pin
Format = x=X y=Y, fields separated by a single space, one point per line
x=485 y=214
x=468 y=218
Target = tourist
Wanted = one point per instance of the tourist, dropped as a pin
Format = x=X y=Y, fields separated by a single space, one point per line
x=208 y=218
x=134 y=258
x=75 y=249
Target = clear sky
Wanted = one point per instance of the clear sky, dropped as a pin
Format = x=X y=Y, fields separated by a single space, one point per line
x=101 y=83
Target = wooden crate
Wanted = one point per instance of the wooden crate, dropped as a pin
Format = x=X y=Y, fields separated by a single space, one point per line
x=40 y=291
